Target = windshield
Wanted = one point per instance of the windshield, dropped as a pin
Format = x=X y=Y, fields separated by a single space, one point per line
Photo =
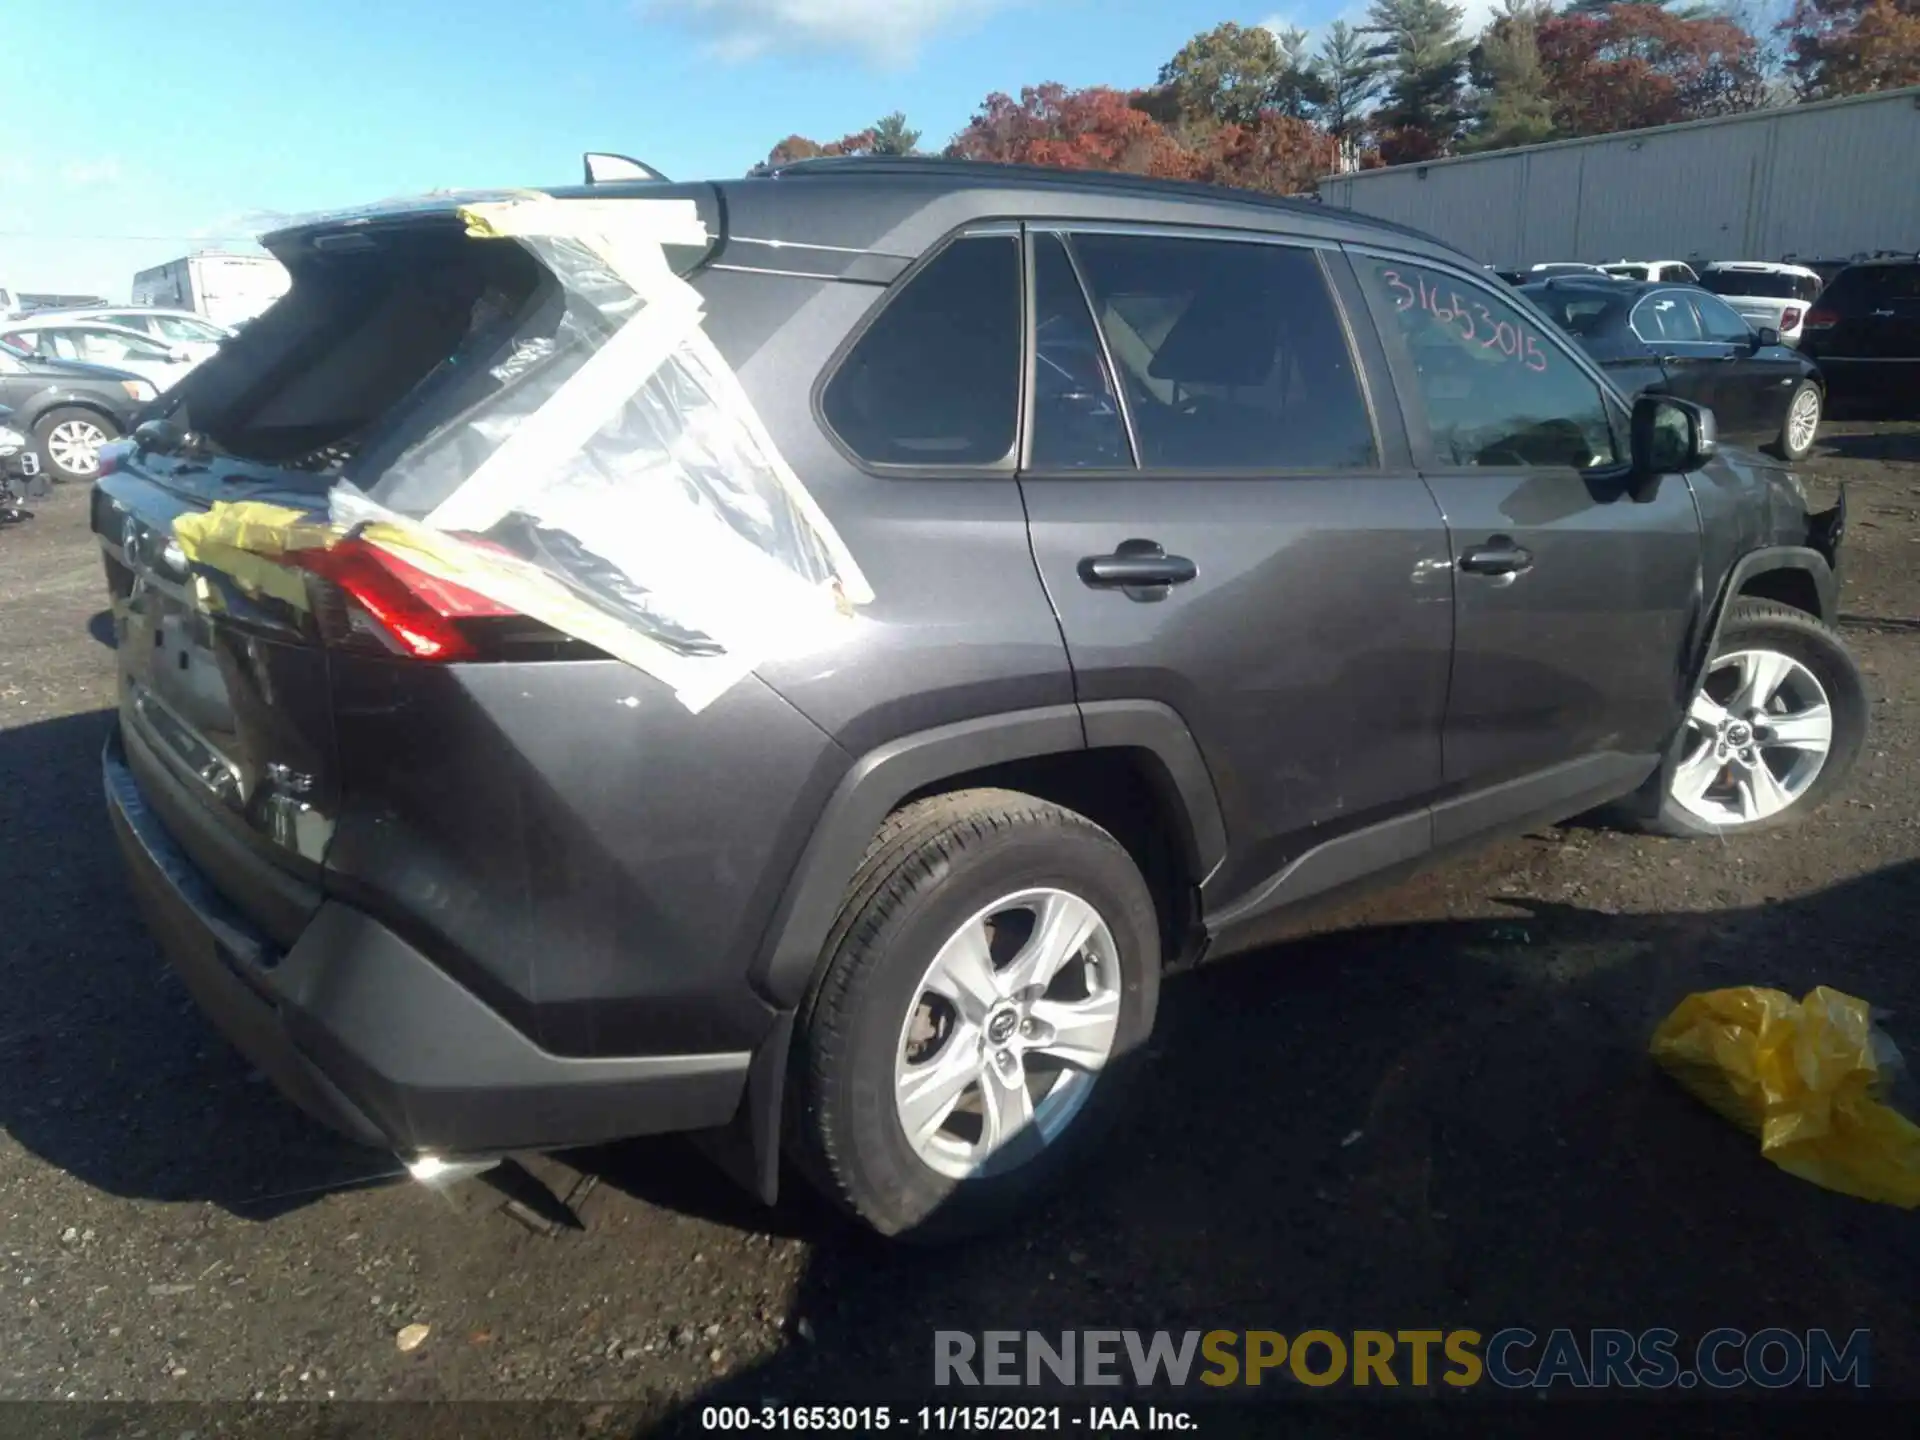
x=1765 y=284
x=1631 y=272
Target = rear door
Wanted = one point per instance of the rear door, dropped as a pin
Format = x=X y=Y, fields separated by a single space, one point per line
x=1667 y=323
x=1574 y=599
x=1215 y=439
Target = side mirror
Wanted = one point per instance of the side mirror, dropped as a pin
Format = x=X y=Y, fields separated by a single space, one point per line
x=1766 y=335
x=1671 y=437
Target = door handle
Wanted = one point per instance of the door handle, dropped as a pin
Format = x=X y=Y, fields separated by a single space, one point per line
x=1137 y=565
x=1500 y=556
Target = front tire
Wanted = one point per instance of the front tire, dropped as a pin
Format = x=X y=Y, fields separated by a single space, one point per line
x=1801 y=427
x=1774 y=731
x=70 y=440
x=988 y=990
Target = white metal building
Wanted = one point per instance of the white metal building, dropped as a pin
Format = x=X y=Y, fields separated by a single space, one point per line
x=224 y=286
x=1830 y=179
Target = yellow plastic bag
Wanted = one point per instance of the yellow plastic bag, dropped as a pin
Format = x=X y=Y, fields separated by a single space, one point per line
x=1808 y=1077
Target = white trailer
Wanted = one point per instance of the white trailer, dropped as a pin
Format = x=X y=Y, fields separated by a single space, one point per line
x=222 y=285
x=1827 y=180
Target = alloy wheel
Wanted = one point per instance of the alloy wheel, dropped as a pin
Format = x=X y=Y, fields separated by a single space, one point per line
x=1758 y=736
x=74 y=446
x=1803 y=421
x=1009 y=1029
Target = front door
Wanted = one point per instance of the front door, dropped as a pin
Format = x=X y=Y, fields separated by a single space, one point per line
x=1574 y=596
x=1755 y=382
x=1228 y=523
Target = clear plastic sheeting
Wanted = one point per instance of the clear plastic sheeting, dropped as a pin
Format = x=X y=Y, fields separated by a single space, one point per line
x=1810 y=1078
x=618 y=483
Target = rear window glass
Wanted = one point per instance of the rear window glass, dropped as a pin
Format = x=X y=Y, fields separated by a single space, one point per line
x=1867 y=284
x=935 y=379
x=1577 y=313
x=1761 y=284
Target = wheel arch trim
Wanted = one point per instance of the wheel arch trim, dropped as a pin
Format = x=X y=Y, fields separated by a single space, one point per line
x=877 y=782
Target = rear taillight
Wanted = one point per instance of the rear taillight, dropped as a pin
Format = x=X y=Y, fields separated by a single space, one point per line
x=1789 y=317
x=380 y=597
x=112 y=456
x=1821 y=318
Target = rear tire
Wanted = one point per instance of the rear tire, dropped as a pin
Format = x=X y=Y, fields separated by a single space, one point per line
x=70 y=439
x=922 y=994
x=1801 y=427
x=1708 y=787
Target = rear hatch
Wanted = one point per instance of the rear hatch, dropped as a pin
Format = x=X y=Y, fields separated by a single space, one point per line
x=1772 y=298
x=1869 y=312
x=396 y=324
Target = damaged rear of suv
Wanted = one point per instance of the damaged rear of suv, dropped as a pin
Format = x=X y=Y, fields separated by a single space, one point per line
x=793 y=660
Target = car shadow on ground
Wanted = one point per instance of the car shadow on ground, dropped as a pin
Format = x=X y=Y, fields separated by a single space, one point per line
x=1422 y=1126
x=1373 y=1127
x=1888 y=446
x=107 y=1069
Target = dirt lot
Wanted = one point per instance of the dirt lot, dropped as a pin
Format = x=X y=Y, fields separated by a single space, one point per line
x=169 y=1229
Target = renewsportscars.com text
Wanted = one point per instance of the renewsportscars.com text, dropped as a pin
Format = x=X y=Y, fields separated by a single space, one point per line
x=1514 y=1358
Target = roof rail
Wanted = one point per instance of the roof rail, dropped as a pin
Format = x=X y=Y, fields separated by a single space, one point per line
x=942 y=167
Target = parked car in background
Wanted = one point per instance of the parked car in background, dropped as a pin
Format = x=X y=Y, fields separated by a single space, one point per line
x=1766 y=292
x=93 y=342
x=1308 y=553
x=70 y=409
x=1667 y=271
x=183 y=329
x=1561 y=267
x=1681 y=340
x=1864 y=331
x=19 y=468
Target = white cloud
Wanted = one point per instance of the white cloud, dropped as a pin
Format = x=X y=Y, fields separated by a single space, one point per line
x=1476 y=14
x=888 y=32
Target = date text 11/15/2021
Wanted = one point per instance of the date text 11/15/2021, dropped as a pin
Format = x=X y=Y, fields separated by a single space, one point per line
x=945 y=1419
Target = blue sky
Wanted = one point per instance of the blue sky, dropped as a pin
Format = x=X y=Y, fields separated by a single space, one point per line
x=194 y=123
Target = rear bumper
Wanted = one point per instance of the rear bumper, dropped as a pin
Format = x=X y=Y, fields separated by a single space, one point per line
x=368 y=1036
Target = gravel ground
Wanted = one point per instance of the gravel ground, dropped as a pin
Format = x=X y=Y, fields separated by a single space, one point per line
x=169 y=1229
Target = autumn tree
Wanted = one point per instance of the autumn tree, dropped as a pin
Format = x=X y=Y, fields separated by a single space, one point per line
x=1511 y=103
x=799 y=147
x=1278 y=153
x=1097 y=128
x=889 y=135
x=1635 y=65
x=1423 y=58
x=1849 y=47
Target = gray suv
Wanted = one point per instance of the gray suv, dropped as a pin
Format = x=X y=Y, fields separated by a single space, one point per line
x=1226 y=553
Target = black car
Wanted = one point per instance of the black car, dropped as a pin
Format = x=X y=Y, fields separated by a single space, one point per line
x=1864 y=331
x=1180 y=556
x=1680 y=340
x=71 y=409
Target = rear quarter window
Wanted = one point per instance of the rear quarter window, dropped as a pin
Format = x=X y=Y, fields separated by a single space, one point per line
x=934 y=379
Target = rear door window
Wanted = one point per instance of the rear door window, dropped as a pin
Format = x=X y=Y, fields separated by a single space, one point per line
x=935 y=379
x=1076 y=413
x=1229 y=354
